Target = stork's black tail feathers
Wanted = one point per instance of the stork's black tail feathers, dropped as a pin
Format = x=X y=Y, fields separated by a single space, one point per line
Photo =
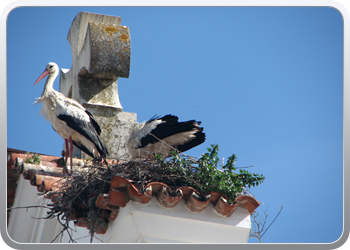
x=102 y=149
x=199 y=139
x=170 y=127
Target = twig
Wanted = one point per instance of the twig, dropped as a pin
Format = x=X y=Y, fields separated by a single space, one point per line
x=272 y=221
x=245 y=167
x=10 y=208
x=259 y=225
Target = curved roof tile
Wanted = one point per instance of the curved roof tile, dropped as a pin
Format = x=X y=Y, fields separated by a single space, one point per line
x=122 y=191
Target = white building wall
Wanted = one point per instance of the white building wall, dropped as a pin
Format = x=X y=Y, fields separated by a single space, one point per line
x=23 y=227
x=153 y=223
x=22 y=222
x=135 y=223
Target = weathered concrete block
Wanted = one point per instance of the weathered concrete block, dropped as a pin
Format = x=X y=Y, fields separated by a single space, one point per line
x=109 y=51
x=77 y=31
x=98 y=91
x=101 y=50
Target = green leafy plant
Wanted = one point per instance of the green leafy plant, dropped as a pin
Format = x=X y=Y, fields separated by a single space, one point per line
x=205 y=176
x=33 y=158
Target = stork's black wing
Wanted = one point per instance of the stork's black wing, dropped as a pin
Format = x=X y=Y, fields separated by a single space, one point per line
x=89 y=129
x=171 y=126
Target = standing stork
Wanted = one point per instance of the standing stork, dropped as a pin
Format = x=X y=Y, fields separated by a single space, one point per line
x=162 y=135
x=70 y=119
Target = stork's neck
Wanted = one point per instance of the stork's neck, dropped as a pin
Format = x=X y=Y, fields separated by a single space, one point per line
x=49 y=83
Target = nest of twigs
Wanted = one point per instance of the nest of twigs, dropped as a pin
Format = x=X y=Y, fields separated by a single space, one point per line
x=76 y=197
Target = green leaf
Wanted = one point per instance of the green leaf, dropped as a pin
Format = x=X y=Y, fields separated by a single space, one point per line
x=205 y=176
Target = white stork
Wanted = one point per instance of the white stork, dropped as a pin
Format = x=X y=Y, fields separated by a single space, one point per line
x=70 y=119
x=162 y=135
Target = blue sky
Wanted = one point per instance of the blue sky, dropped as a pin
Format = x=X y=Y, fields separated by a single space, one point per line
x=266 y=82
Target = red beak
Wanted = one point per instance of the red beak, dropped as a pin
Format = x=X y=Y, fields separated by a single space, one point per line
x=45 y=73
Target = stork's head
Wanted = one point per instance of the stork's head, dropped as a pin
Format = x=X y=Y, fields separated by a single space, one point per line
x=51 y=69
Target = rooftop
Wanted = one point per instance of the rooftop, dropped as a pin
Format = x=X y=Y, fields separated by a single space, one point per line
x=47 y=177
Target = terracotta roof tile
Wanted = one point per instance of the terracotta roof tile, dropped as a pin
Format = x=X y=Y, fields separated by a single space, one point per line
x=47 y=177
x=122 y=191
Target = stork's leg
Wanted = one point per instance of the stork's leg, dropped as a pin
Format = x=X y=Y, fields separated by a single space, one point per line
x=66 y=157
x=71 y=153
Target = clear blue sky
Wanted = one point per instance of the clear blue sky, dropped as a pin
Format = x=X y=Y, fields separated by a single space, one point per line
x=267 y=84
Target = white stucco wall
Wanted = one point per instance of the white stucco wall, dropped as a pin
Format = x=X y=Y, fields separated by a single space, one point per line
x=153 y=223
x=142 y=223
